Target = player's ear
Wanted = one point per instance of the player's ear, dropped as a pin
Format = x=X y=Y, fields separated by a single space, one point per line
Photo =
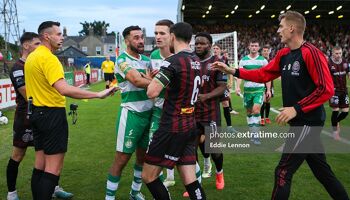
x=172 y=36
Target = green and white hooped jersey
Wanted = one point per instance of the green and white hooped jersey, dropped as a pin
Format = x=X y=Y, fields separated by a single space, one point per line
x=132 y=97
x=157 y=60
x=253 y=63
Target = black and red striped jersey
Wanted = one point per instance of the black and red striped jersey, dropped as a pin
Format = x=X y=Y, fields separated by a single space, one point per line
x=306 y=81
x=180 y=74
x=210 y=109
x=339 y=71
x=17 y=79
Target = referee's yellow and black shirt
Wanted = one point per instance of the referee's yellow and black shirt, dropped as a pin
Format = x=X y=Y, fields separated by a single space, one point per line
x=42 y=69
x=107 y=66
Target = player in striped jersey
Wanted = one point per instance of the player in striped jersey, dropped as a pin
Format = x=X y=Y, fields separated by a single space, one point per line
x=162 y=36
x=133 y=121
x=340 y=101
x=208 y=107
x=253 y=92
x=174 y=143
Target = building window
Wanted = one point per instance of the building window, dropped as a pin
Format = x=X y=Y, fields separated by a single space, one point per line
x=98 y=50
x=110 y=48
x=84 y=49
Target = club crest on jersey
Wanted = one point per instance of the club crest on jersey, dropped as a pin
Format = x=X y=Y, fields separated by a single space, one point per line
x=345 y=65
x=295 y=68
x=195 y=65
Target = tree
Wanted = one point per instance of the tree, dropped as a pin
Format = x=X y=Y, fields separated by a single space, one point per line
x=96 y=25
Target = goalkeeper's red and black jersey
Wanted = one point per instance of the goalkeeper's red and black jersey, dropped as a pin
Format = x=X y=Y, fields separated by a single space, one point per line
x=180 y=75
x=339 y=72
x=306 y=81
x=17 y=79
x=210 y=109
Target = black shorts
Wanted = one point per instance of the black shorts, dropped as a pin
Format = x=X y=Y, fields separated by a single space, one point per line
x=202 y=125
x=225 y=96
x=22 y=131
x=109 y=76
x=50 y=130
x=169 y=149
x=339 y=100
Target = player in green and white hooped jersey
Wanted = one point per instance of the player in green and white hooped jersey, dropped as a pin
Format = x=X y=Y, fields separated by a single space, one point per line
x=253 y=92
x=133 y=122
x=162 y=37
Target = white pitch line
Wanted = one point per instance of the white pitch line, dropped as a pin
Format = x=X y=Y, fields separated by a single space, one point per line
x=345 y=141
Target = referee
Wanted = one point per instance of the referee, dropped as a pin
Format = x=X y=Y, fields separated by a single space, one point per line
x=47 y=88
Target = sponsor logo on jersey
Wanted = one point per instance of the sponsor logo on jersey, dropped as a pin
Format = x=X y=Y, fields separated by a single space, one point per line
x=187 y=110
x=205 y=78
x=195 y=65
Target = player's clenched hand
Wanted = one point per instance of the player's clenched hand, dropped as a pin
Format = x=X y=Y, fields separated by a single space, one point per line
x=223 y=67
x=287 y=113
x=110 y=91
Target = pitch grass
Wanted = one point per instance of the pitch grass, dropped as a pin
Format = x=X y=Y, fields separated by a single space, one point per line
x=92 y=146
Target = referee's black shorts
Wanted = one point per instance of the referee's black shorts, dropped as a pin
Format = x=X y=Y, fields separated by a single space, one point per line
x=108 y=76
x=50 y=130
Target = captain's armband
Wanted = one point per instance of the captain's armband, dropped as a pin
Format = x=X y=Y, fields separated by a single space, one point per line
x=162 y=79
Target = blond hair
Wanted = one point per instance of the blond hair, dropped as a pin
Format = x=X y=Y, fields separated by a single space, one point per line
x=296 y=18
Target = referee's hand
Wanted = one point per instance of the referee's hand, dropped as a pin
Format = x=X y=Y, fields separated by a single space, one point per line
x=107 y=92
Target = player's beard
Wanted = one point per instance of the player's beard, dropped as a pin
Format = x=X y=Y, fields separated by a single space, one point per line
x=136 y=50
x=203 y=54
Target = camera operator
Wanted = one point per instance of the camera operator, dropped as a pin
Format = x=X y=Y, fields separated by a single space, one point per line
x=73 y=111
x=48 y=88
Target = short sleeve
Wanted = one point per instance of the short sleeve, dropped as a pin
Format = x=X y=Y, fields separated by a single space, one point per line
x=53 y=70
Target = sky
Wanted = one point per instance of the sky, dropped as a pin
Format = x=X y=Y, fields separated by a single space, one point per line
x=118 y=13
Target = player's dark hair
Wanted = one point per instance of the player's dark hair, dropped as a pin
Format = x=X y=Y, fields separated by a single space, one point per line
x=253 y=40
x=218 y=45
x=337 y=48
x=127 y=30
x=165 y=22
x=266 y=46
x=47 y=24
x=28 y=36
x=182 y=31
x=206 y=35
